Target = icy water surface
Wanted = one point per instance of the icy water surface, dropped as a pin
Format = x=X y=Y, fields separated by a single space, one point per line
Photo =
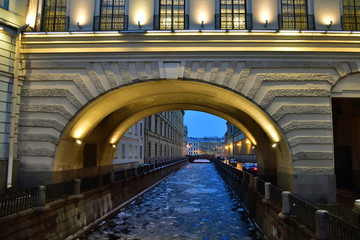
x=194 y=203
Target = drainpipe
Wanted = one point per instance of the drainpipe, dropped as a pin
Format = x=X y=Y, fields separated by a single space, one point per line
x=13 y=107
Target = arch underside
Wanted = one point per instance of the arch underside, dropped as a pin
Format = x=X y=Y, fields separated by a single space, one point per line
x=106 y=119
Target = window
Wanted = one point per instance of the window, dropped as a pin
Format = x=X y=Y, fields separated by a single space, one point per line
x=123 y=151
x=141 y=129
x=4 y=4
x=112 y=16
x=294 y=14
x=233 y=14
x=130 y=130
x=136 y=152
x=351 y=17
x=54 y=16
x=141 y=151
x=172 y=14
x=130 y=151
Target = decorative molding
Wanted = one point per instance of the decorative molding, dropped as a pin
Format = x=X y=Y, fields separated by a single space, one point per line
x=307 y=124
x=312 y=156
x=46 y=108
x=273 y=93
x=299 y=109
x=309 y=140
x=313 y=171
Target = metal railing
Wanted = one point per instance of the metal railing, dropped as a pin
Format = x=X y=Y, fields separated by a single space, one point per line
x=261 y=186
x=337 y=228
x=303 y=211
x=14 y=201
x=276 y=195
x=58 y=190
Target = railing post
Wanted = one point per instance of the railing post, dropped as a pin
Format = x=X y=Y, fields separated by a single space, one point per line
x=267 y=190
x=321 y=224
x=77 y=186
x=136 y=171
x=244 y=177
x=255 y=183
x=40 y=196
x=251 y=181
x=286 y=203
x=125 y=174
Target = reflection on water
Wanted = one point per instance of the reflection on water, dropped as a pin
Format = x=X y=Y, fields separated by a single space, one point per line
x=194 y=203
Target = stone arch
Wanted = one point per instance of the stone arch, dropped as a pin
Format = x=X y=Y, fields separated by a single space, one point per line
x=294 y=95
x=106 y=119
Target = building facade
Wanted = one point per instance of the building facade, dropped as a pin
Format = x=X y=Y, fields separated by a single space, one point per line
x=12 y=21
x=237 y=145
x=130 y=149
x=206 y=145
x=164 y=136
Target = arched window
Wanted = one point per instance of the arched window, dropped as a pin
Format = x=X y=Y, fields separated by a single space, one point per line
x=294 y=15
x=54 y=16
x=351 y=15
x=171 y=15
x=112 y=16
x=233 y=14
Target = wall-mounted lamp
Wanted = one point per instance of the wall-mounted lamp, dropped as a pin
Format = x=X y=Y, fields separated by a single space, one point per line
x=274 y=145
x=139 y=24
x=266 y=23
x=328 y=26
x=78 y=25
x=113 y=145
x=77 y=141
x=1 y=28
x=202 y=24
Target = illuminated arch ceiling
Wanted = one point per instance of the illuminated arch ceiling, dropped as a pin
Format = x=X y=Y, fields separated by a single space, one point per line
x=119 y=109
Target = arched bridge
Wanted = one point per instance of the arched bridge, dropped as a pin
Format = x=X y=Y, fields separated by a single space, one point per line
x=91 y=87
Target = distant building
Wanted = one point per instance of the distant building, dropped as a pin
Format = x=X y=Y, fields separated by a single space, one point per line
x=164 y=136
x=130 y=149
x=205 y=145
x=185 y=152
x=193 y=147
x=237 y=145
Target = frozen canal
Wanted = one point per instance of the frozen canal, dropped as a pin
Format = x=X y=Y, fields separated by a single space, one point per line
x=194 y=203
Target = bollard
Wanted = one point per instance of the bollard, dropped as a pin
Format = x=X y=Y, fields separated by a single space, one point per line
x=251 y=181
x=321 y=224
x=255 y=183
x=286 y=203
x=77 y=186
x=244 y=177
x=40 y=196
x=267 y=190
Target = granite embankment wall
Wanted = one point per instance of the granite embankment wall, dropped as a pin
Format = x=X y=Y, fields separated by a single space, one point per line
x=266 y=214
x=72 y=215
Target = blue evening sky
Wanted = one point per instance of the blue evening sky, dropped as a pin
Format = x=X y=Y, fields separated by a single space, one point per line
x=202 y=124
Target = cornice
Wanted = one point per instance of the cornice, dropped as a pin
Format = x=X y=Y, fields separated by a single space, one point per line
x=190 y=42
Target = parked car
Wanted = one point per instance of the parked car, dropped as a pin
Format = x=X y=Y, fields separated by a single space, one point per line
x=250 y=168
x=356 y=208
x=232 y=162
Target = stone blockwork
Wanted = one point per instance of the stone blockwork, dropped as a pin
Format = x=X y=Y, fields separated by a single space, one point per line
x=296 y=95
x=62 y=218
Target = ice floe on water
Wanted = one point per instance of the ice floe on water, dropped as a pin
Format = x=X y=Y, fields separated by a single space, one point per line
x=194 y=203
